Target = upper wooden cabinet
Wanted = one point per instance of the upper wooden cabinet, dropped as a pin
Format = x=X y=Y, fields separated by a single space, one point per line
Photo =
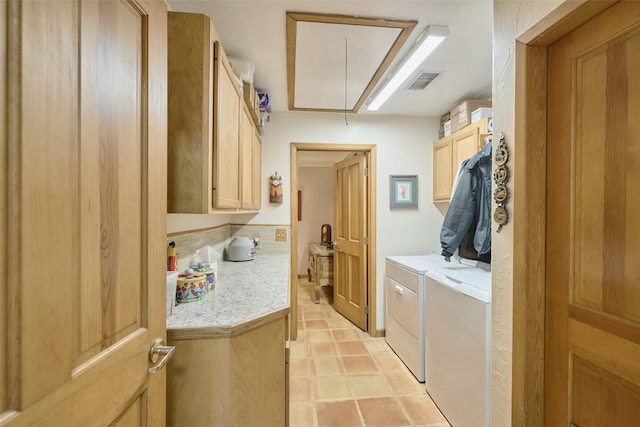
x=206 y=125
x=251 y=157
x=450 y=151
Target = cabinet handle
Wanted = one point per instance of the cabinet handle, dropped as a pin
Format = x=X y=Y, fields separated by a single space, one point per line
x=399 y=290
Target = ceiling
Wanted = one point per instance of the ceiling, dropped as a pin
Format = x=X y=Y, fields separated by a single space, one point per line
x=256 y=31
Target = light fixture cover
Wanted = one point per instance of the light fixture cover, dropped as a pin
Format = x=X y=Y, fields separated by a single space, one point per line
x=428 y=41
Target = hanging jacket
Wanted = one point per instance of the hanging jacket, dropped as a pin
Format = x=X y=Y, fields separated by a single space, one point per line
x=470 y=203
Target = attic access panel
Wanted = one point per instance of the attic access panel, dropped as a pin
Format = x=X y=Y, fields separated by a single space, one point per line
x=322 y=75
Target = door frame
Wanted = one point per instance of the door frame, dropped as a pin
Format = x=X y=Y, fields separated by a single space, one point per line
x=529 y=206
x=370 y=151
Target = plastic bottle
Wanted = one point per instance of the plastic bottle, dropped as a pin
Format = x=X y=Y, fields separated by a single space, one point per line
x=172 y=260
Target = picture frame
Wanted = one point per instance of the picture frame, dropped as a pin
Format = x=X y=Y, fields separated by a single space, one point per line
x=403 y=191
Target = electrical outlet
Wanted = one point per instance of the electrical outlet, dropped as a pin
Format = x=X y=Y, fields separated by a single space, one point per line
x=281 y=234
x=257 y=239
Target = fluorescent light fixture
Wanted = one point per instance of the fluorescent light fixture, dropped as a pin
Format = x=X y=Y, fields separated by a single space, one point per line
x=428 y=41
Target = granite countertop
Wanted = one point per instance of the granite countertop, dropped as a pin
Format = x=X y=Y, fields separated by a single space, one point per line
x=244 y=291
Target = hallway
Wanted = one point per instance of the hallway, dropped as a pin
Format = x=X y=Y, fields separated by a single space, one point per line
x=340 y=376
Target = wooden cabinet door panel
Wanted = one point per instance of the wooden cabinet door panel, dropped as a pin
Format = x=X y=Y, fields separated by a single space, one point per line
x=465 y=145
x=246 y=150
x=226 y=139
x=442 y=170
x=256 y=169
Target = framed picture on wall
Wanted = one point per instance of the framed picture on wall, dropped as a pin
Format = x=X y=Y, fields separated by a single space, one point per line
x=403 y=191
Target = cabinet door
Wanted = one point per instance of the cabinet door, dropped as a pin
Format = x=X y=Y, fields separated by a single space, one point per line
x=442 y=170
x=190 y=91
x=246 y=149
x=465 y=145
x=226 y=134
x=257 y=170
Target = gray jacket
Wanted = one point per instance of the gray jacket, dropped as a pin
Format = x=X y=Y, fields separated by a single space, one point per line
x=470 y=201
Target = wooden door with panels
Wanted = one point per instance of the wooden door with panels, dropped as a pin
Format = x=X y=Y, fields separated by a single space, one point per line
x=592 y=320
x=350 y=250
x=82 y=212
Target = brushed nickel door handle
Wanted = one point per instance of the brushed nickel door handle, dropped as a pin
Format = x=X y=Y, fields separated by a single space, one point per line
x=160 y=354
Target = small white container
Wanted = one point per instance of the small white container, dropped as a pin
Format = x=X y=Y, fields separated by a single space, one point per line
x=172 y=283
x=481 y=113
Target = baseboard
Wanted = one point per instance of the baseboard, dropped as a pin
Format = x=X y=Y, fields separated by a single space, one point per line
x=378 y=333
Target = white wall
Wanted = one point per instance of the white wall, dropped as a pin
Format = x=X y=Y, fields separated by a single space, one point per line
x=511 y=18
x=316 y=184
x=404 y=146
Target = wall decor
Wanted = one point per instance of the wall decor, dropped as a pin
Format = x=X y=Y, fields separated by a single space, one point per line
x=500 y=177
x=403 y=191
x=275 y=188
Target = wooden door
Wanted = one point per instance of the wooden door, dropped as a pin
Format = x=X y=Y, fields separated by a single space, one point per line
x=350 y=252
x=84 y=202
x=592 y=321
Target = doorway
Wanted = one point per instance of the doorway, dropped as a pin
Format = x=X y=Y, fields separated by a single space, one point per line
x=370 y=152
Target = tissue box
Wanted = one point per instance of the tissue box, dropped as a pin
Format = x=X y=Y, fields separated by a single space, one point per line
x=172 y=284
x=210 y=270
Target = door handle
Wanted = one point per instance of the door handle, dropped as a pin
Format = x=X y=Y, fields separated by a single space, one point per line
x=399 y=290
x=160 y=354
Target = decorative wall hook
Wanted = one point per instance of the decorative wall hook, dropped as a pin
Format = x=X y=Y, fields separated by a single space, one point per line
x=500 y=177
x=275 y=188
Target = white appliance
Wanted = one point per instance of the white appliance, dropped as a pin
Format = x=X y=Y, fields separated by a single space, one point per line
x=404 y=308
x=458 y=343
x=241 y=249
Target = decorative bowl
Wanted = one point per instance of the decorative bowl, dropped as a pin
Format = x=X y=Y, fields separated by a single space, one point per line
x=191 y=288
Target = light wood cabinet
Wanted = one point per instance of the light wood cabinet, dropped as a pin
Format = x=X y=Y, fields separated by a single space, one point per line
x=256 y=170
x=442 y=169
x=229 y=377
x=226 y=133
x=450 y=151
x=251 y=149
x=206 y=124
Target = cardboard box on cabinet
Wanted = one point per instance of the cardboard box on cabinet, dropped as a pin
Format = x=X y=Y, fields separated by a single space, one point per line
x=443 y=120
x=447 y=128
x=461 y=114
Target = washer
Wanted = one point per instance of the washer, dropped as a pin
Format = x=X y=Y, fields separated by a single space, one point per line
x=404 y=307
x=458 y=343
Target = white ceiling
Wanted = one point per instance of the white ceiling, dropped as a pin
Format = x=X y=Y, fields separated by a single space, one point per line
x=255 y=30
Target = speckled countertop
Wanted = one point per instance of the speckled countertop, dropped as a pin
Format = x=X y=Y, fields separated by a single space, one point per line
x=244 y=291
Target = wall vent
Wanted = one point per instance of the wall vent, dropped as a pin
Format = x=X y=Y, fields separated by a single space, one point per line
x=421 y=81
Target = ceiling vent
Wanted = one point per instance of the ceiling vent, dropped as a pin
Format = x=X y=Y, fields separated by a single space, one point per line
x=421 y=81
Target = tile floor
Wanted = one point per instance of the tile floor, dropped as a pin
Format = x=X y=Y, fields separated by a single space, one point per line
x=340 y=376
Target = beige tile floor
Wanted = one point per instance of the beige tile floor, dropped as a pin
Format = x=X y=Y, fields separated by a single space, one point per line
x=342 y=377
